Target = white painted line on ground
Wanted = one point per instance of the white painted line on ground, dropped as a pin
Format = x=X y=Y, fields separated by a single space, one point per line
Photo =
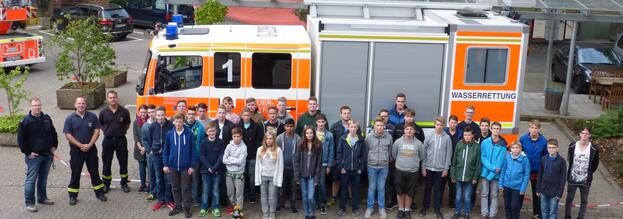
x=139 y=32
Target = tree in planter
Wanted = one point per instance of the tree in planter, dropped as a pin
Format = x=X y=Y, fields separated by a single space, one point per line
x=210 y=12
x=85 y=54
x=15 y=94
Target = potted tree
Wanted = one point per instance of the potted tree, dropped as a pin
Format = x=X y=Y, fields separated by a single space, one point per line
x=15 y=94
x=211 y=12
x=85 y=56
x=118 y=77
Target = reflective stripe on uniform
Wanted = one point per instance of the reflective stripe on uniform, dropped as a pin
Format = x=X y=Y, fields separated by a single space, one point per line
x=73 y=190
x=98 y=186
x=124 y=175
x=106 y=177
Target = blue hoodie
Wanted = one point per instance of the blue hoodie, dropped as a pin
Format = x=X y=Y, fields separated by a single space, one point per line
x=491 y=157
x=178 y=152
x=515 y=173
x=534 y=150
x=396 y=118
x=198 y=133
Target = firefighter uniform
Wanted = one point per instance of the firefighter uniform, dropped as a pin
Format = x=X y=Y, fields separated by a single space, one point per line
x=114 y=125
x=82 y=129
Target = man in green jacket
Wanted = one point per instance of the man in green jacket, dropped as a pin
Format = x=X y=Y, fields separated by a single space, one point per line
x=308 y=118
x=465 y=171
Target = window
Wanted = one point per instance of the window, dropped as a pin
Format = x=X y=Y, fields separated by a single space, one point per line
x=140 y=86
x=271 y=70
x=178 y=73
x=226 y=70
x=486 y=66
x=115 y=13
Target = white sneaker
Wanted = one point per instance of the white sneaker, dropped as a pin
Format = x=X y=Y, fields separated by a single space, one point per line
x=31 y=208
x=264 y=216
x=382 y=213
x=369 y=213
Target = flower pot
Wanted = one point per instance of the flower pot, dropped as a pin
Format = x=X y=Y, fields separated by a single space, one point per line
x=116 y=79
x=8 y=139
x=95 y=94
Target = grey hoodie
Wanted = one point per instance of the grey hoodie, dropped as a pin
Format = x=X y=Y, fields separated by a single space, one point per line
x=408 y=154
x=378 y=149
x=438 y=152
x=288 y=153
x=235 y=157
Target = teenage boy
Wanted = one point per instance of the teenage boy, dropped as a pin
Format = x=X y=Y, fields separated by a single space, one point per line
x=464 y=172
x=492 y=154
x=252 y=135
x=388 y=127
x=308 y=118
x=202 y=114
x=115 y=121
x=228 y=103
x=534 y=145
x=155 y=140
x=350 y=158
x=199 y=133
x=288 y=141
x=436 y=166
x=551 y=180
x=485 y=126
x=211 y=158
x=327 y=160
x=181 y=106
x=396 y=115
x=273 y=123
x=470 y=111
x=456 y=134
x=583 y=162
x=151 y=114
x=256 y=116
x=378 y=144
x=179 y=158
x=339 y=129
x=234 y=158
x=37 y=139
x=223 y=125
x=282 y=110
x=408 y=152
x=514 y=180
x=409 y=117
x=141 y=120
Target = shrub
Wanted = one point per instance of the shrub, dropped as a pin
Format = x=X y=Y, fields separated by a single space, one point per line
x=618 y=162
x=14 y=88
x=9 y=123
x=609 y=125
x=210 y=12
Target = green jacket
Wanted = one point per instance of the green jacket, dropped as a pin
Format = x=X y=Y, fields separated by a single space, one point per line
x=466 y=164
x=307 y=119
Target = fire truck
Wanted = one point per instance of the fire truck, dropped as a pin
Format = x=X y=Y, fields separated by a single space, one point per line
x=18 y=48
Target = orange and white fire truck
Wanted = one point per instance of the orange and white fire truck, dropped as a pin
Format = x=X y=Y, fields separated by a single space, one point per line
x=18 y=48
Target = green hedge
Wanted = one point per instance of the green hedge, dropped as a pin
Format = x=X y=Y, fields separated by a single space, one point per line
x=9 y=124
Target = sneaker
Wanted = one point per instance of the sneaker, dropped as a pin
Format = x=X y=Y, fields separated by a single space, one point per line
x=158 y=205
x=106 y=189
x=294 y=210
x=323 y=210
x=382 y=213
x=252 y=200
x=175 y=211
x=141 y=189
x=331 y=202
x=400 y=214
x=150 y=198
x=368 y=213
x=407 y=215
x=422 y=213
x=230 y=210
x=31 y=208
x=341 y=213
x=271 y=216
x=438 y=214
x=46 y=202
x=216 y=212
x=203 y=212
x=466 y=216
x=456 y=215
x=264 y=216
x=187 y=213
x=196 y=204
x=73 y=201
x=125 y=188
x=171 y=205
x=101 y=197
x=484 y=217
x=356 y=214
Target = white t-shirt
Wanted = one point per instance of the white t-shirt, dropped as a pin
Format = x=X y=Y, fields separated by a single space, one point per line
x=581 y=160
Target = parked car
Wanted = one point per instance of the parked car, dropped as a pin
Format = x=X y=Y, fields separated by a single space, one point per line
x=587 y=56
x=618 y=45
x=112 y=18
x=147 y=13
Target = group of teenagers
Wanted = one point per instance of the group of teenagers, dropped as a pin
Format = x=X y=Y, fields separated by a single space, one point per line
x=191 y=159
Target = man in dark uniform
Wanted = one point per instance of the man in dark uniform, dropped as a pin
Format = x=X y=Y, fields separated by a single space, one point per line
x=115 y=121
x=82 y=130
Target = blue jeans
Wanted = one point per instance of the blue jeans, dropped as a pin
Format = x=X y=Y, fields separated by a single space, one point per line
x=349 y=179
x=162 y=182
x=321 y=195
x=549 y=207
x=37 y=170
x=153 y=186
x=307 y=190
x=196 y=185
x=142 y=172
x=210 y=185
x=250 y=179
x=376 y=183
x=463 y=190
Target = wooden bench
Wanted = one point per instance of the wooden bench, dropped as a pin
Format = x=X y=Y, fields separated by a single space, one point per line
x=612 y=94
x=598 y=89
